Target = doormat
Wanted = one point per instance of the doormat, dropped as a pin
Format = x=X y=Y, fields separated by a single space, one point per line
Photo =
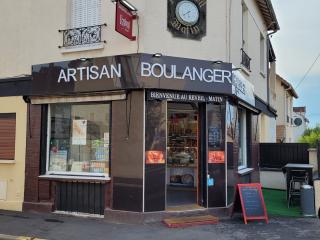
x=190 y=221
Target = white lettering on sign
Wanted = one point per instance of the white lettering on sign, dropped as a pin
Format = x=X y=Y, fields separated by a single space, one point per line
x=170 y=71
x=89 y=73
x=176 y=96
x=157 y=70
x=124 y=22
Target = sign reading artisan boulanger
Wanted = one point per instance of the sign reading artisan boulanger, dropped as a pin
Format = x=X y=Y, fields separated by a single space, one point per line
x=135 y=71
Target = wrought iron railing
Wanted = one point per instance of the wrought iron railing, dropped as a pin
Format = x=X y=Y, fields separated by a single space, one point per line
x=82 y=36
x=245 y=59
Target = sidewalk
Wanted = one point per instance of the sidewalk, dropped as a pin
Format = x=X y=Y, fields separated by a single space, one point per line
x=10 y=237
x=61 y=227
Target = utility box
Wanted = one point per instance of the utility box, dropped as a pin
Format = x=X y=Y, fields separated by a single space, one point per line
x=307 y=201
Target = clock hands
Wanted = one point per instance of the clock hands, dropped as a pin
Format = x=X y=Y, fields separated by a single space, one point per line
x=186 y=13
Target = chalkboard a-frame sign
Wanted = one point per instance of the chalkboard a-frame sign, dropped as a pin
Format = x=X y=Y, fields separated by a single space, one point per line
x=249 y=198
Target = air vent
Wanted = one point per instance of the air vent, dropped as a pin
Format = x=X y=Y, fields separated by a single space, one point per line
x=298 y=122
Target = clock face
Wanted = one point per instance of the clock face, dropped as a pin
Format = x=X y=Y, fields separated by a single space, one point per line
x=187 y=13
x=187 y=18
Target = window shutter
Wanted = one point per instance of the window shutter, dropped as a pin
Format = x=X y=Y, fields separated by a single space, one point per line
x=85 y=13
x=93 y=12
x=78 y=13
x=7 y=136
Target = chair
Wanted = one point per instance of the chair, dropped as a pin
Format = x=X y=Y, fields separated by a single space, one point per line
x=298 y=178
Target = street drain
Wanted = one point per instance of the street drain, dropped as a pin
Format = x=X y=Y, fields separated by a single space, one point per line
x=53 y=220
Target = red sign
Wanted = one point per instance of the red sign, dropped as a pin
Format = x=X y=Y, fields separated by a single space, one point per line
x=124 y=20
x=249 y=198
x=216 y=157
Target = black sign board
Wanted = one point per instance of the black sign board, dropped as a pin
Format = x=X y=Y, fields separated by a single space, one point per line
x=250 y=198
x=134 y=71
x=214 y=137
x=183 y=96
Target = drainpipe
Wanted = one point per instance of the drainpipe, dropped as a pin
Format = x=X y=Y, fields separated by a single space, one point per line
x=268 y=70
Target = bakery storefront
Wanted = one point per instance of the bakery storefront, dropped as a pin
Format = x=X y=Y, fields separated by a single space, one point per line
x=138 y=133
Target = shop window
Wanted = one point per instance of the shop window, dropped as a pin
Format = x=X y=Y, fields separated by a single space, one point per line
x=7 y=136
x=79 y=139
x=242 y=138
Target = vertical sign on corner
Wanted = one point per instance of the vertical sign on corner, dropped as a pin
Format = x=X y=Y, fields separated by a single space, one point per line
x=124 y=21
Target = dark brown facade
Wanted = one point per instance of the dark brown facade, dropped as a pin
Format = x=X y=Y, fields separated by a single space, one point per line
x=144 y=174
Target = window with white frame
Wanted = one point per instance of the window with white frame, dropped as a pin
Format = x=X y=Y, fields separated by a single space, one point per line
x=245 y=24
x=84 y=26
x=78 y=138
x=242 y=138
x=85 y=13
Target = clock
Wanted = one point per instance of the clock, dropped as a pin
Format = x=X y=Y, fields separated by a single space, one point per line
x=187 y=13
x=187 y=18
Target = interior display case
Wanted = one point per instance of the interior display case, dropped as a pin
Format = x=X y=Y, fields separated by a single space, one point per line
x=182 y=147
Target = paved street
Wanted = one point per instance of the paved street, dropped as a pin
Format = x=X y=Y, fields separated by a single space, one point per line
x=58 y=227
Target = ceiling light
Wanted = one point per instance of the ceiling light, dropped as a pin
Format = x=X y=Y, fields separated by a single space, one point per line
x=128 y=5
x=157 y=55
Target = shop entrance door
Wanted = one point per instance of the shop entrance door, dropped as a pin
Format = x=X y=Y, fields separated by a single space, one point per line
x=182 y=168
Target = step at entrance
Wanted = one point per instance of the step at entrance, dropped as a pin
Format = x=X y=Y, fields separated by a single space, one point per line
x=190 y=221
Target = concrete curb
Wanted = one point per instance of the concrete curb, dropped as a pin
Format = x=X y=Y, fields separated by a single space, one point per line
x=10 y=237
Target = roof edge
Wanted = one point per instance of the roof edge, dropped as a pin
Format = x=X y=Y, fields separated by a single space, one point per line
x=268 y=15
x=288 y=86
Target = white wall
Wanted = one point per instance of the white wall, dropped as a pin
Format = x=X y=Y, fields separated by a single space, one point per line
x=267 y=129
x=34 y=38
x=280 y=103
x=273 y=179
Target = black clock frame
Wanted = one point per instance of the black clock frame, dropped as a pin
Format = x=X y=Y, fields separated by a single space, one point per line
x=178 y=29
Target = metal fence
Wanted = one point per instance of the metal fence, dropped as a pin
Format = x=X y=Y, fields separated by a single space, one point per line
x=245 y=59
x=80 y=197
x=82 y=36
x=276 y=155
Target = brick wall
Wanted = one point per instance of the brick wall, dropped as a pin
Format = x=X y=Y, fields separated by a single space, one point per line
x=33 y=153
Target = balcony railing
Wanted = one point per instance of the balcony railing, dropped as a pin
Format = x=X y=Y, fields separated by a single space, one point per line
x=245 y=59
x=82 y=36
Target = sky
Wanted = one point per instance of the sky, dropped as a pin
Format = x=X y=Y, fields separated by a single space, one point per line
x=297 y=45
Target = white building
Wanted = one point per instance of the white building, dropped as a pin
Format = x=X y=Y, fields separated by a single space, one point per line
x=300 y=122
x=285 y=94
x=42 y=38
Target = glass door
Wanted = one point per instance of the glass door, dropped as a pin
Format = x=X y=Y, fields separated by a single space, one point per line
x=182 y=155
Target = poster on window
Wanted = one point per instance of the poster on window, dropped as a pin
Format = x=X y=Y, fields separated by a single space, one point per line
x=155 y=157
x=58 y=160
x=79 y=132
x=216 y=157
